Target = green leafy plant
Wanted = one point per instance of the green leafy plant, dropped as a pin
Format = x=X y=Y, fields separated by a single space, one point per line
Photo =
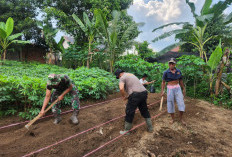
x=110 y=33
x=139 y=67
x=49 y=33
x=213 y=63
x=74 y=57
x=143 y=50
x=7 y=38
x=23 y=85
x=192 y=68
x=88 y=27
x=200 y=42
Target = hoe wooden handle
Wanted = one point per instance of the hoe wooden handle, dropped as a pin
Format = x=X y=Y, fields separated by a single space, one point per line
x=40 y=115
x=161 y=103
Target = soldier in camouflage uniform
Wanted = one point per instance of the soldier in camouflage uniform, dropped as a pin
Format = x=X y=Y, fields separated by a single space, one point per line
x=62 y=85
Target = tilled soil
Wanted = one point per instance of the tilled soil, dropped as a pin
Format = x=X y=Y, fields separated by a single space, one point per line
x=208 y=133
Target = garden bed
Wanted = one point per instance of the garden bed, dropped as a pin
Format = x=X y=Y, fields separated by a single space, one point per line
x=208 y=133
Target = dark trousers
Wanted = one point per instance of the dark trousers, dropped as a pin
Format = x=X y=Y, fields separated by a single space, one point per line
x=137 y=99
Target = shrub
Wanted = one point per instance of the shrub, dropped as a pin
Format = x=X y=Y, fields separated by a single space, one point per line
x=196 y=82
x=138 y=66
x=22 y=86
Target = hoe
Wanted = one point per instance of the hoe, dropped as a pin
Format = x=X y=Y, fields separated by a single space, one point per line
x=161 y=103
x=39 y=115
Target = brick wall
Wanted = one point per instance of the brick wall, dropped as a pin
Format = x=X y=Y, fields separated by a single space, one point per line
x=28 y=53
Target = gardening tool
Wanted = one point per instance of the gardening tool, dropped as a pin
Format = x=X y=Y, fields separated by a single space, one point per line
x=161 y=103
x=40 y=115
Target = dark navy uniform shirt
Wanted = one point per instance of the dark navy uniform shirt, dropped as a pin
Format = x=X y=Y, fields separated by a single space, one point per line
x=169 y=76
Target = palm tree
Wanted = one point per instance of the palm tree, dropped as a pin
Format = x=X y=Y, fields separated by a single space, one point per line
x=88 y=27
x=208 y=15
x=111 y=34
x=6 y=39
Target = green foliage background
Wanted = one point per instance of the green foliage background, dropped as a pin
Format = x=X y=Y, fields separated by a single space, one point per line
x=139 y=67
x=194 y=71
x=22 y=86
x=24 y=13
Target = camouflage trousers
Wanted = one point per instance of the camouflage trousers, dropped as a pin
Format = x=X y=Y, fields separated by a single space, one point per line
x=75 y=100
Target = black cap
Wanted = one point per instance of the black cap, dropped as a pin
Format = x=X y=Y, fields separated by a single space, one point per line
x=117 y=72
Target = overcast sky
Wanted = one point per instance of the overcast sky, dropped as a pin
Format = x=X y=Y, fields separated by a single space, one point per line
x=155 y=13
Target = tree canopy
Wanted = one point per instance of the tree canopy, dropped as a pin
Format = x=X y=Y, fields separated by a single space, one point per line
x=24 y=13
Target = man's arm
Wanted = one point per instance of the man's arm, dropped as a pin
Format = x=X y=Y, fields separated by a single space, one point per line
x=147 y=83
x=122 y=90
x=182 y=86
x=61 y=97
x=46 y=100
x=162 y=87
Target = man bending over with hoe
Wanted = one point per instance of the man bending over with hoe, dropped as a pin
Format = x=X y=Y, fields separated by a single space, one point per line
x=174 y=79
x=62 y=85
x=137 y=97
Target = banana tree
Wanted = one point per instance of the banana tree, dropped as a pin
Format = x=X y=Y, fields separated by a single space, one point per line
x=110 y=32
x=88 y=27
x=224 y=62
x=208 y=14
x=213 y=63
x=7 y=38
x=200 y=41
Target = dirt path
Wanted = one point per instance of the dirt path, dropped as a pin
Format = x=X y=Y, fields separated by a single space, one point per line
x=209 y=133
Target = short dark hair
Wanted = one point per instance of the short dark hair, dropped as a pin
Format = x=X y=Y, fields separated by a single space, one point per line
x=144 y=75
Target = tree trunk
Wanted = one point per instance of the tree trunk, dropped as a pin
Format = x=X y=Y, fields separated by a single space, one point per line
x=111 y=66
x=206 y=59
x=219 y=75
x=87 y=63
x=50 y=57
x=227 y=87
x=194 y=87
x=4 y=55
x=91 y=57
x=89 y=53
x=55 y=58
x=201 y=54
x=221 y=90
x=112 y=62
x=211 y=85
